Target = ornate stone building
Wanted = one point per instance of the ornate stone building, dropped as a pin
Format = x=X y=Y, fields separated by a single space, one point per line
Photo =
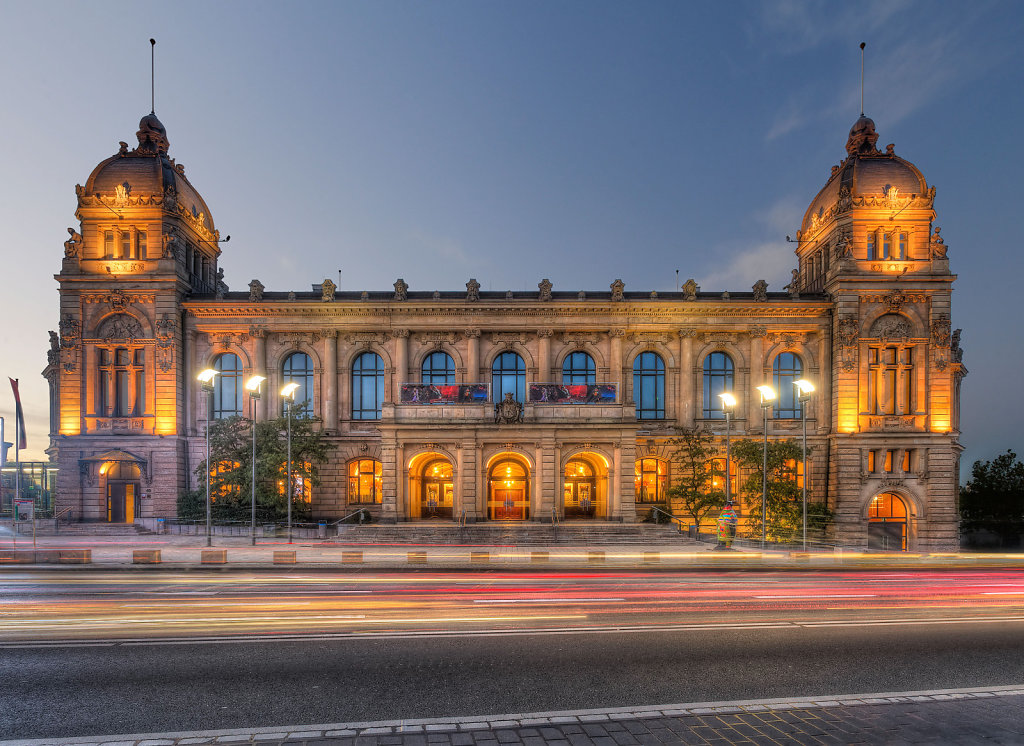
x=512 y=406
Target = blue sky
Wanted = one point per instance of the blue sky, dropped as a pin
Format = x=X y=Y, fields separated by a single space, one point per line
x=510 y=141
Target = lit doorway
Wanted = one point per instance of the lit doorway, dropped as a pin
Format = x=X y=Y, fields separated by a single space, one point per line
x=887 y=523
x=508 y=491
x=123 y=482
x=579 y=489
x=437 y=493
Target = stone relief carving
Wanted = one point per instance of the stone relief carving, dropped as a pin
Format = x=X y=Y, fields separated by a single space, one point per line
x=891 y=326
x=122 y=194
x=472 y=290
x=429 y=338
x=581 y=295
x=327 y=289
x=617 y=333
x=508 y=337
x=618 y=287
x=545 y=333
x=257 y=331
x=545 y=289
x=400 y=333
x=941 y=330
x=255 y=291
x=118 y=300
x=760 y=289
x=73 y=246
x=508 y=411
x=120 y=326
x=53 y=354
x=401 y=290
x=895 y=300
x=848 y=330
x=471 y=333
x=690 y=289
x=688 y=331
x=957 y=352
x=758 y=331
x=166 y=328
x=437 y=295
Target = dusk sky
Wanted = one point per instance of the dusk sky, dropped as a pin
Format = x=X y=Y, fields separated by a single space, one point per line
x=581 y=141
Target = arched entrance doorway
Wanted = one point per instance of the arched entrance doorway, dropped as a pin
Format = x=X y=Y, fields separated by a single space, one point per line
x=888 y=519
x=508 y=489
x=584 y=487
x=122 y=480
x=431 y=487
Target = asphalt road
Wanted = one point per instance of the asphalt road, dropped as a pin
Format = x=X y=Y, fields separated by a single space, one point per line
x=103 y=653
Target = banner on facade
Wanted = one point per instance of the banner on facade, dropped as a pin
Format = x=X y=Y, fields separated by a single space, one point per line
x=561 y=393
x=436 y=393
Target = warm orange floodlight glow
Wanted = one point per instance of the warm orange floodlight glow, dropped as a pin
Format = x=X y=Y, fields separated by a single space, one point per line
x=767 y=393
x=728 y=399
x=804 y=386
x=288 y=392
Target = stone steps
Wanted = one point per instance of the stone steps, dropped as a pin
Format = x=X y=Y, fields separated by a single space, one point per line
x=44 y=527
x=496 y=534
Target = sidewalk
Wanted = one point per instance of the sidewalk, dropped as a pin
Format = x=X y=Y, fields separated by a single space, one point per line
x=133 y=551
x=989 y=715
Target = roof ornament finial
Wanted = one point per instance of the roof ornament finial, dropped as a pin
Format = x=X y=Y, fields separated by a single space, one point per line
x=862 y=45
x=153 y=77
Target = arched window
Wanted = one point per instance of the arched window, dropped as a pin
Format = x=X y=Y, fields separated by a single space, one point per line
x=122 y=382
x=578 y=368
x=298 y=368
x=365 y=477
x=651 y=474
x=891 y=388
x=227 y=387
x=718 y=379
x=649 y=386
x=786 y=369
x=438 y=367
x=508 y=376
x=367 y=386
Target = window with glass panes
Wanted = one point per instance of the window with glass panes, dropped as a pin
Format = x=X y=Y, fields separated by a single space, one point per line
x=651 y=474
x=367 y=386
x=121 y=385
x=508 y=376
x=578 y=368
x=438 y=368
x=365 y=477
x=298 y=368
x=649 y=386
x=786 y=369
x=718 y=379
x=227 y=387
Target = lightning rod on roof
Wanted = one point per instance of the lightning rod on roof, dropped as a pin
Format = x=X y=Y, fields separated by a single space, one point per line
x=862 y=45
x=152 y=76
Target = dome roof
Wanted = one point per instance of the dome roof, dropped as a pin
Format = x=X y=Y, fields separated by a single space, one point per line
x=147 y=172
x=866 y=172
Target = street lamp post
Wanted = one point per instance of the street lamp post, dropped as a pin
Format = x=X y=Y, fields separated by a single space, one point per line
x=206 y=379
x=253 y=387
x=767 y=397
x=728 y=405
x=288 y=393
x=804 y=388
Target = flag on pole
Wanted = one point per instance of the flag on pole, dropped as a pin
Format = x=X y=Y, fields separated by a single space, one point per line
x=22 y=439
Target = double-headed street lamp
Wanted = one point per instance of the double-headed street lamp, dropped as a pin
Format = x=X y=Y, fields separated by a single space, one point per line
x=288 y=394
x=767 y=397
x=728 y=406
x=206 y=379
x=253 y=387
x=804 y=390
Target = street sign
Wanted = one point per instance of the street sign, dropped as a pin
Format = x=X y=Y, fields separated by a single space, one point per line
x=24 y=510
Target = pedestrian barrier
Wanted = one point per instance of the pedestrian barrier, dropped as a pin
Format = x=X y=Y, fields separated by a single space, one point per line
x=213 y=556
x=45 y=556
x=284 y=557
x=146 y=557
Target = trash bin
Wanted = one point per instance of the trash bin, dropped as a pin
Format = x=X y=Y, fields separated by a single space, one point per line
x=321 y=530
x=161 y=526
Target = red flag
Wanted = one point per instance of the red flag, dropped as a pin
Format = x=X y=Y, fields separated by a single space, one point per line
x=22 y=438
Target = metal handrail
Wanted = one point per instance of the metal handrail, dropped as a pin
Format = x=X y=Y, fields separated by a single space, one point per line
x=58 y=516
x=669 y=516
x=345 y=518
x=463 y=517
x=554 y=516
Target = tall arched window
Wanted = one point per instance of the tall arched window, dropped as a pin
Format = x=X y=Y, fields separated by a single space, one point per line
x=508 y=376
x=578 y=368
x=649 y=386
x=367 y=386
x=718 y=378
x=438 y=367
x=298 y=368
x=227 y=387
x=786 y=369
x=122 y=382
x=365 y=477
x=651 y=475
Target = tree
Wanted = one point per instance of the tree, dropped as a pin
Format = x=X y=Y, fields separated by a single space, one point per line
x=993 y=499
x=694 y=473
x=231 y=477
x=784 y=495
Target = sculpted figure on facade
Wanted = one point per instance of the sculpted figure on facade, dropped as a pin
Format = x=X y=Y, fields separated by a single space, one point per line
x=255 y=291
x=472 y=289
x=120 y=326
x=891 y=326
x=401 y=290
x=73 y=246
x=760 y=289
x=618 y=288
x=221 y=286
x=937 y=245
x=327 y=291
x=794 y=284
x=545 y=289
x=508 y=411
x=690 y=289
x=895 y=300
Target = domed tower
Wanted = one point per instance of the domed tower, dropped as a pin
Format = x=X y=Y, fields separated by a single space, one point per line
x=867 y=240
x=145 y=242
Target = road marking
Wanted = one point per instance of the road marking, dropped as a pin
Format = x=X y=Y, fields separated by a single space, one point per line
x=845 y=595
x=541 y=600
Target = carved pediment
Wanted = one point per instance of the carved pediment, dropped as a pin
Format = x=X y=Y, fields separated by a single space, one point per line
x=120 y=326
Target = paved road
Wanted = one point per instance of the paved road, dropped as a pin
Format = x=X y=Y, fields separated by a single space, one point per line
x=93 y=653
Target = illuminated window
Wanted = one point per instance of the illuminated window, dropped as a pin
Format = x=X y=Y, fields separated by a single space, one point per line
x=786 y=369
x=302 y=481
x=649 y=386
x=718 y=379
x=902 y=246
x=578 y=368
x=888 y=462
x=218 y=476
x=794 y=471
x=886 y=246
x=871 y=245
x=367 y=386
x=227 y=387
x=365 y=478
x=508 y=376
x=141 y=245
x=298 y=368
x=718 y=475
x=108 y=244
x=871 y=462
x=126 y=245
x=908 y=460
x=439 y=368
x=891 y=387
x=650 y=476
x=121 y=389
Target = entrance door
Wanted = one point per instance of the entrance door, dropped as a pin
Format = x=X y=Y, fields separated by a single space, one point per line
x=508 y=491
x=121 y=502
x=886 y=536
x=579 y=499
x=508 y=505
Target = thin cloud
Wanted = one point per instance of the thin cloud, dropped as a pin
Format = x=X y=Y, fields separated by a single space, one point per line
x=770 y=261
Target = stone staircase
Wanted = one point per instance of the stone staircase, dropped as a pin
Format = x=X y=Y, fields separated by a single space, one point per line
x=44 y=527
x=580 y=533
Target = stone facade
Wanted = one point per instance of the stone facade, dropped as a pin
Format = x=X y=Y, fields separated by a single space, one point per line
x=143 y=308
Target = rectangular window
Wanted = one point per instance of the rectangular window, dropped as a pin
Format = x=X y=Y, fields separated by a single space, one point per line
x=871 y=462
x=141 y=243
x=886 y=250
x=888 y=462
x=108 y=244
x=126 y=245
x=908 y=460
x=871 y=245
x=122 y=393
x=903 y=246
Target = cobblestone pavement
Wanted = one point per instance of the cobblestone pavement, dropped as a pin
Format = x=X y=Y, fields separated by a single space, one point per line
x=991 y=715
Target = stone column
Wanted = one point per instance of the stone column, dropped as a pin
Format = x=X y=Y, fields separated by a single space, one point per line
x=616 y=363
x=331 y=380
x=686 y=388
x=544 y=355
x=401 y=348
x=755 y=417
x=190 y=386
x=259 y=367
x=473 y=356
